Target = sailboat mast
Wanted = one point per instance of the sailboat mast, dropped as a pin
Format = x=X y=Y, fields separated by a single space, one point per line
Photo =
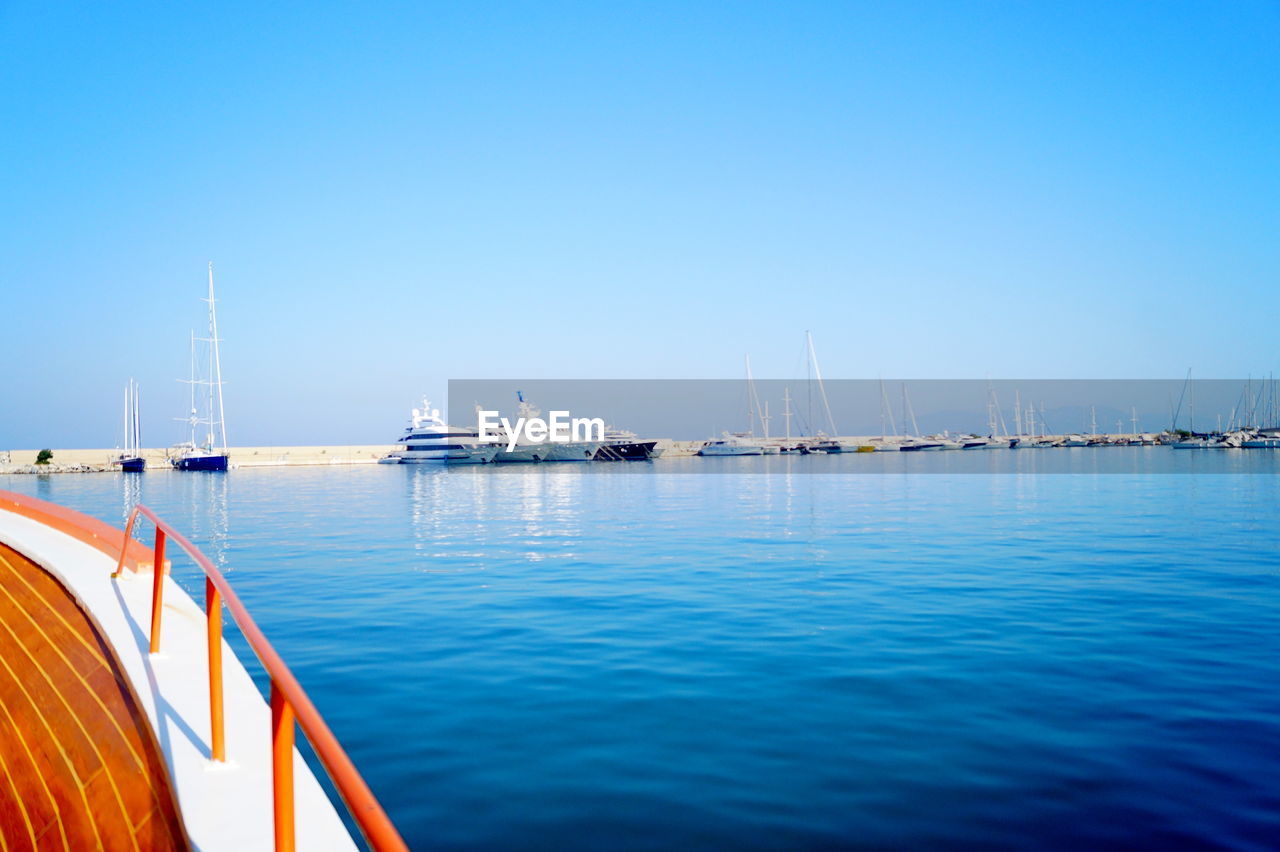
x=886 y=410
x=217 y=366
x=126 y=417
x=904 y=408
x=909 y=411
x=753 y=403
x=193 y=387
x=137 y=419
x=822 y=390
x=786 y=410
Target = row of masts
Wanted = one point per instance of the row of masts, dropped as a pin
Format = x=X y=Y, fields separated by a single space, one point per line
x=132 y=423
x=1244 y=414
x=813 y=374
x=215 y=438
x=1026 y=418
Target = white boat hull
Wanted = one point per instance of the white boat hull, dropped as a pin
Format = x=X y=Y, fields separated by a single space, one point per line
x=731 y=451
x=525 y=453
x=472 y=455
x=572 y=451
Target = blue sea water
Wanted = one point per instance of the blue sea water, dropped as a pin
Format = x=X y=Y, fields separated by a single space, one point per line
x=641 y=659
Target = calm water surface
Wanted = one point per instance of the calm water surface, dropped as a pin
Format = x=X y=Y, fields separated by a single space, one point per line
x=538 y=658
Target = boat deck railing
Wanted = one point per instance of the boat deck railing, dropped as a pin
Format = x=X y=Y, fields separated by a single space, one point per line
x=290 y=704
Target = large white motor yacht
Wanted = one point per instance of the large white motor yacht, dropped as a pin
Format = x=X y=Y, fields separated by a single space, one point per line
x=429 y=440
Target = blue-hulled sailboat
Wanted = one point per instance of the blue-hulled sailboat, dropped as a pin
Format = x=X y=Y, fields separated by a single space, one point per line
x=211 y=454
x=130 y=459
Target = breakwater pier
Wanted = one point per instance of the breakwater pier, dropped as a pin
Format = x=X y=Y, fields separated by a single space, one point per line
x=99 y=460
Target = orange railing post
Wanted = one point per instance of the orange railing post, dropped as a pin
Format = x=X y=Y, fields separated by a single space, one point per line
x=282 y=768
x=213 y=610
x=157 y=590
x=290 y=704
x=124 y=546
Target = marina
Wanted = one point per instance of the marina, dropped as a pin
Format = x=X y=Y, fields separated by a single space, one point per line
x=674 y=426
x=617 y=446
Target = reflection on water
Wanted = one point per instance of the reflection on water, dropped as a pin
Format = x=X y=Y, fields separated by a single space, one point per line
x=202 y=513
x=457 y=507
x=130 y=494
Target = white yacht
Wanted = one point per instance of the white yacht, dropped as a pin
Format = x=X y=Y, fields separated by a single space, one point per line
x=1266 y=439
x=731 y=445
x=429 y=440
x=920 y=445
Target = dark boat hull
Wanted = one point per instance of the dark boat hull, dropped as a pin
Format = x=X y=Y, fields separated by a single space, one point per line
x=215 y=462
x=136 y=465
x=630 y=451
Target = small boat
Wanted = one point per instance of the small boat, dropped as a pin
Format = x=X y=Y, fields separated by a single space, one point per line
x=731 y=445
x=130 y=459
x=1208 y=442
x=1266 y=439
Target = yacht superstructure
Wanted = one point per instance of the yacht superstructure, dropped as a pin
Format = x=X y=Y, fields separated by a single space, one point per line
x=429 y=440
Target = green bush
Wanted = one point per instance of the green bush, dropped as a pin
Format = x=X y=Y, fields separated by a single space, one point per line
x=44 y=456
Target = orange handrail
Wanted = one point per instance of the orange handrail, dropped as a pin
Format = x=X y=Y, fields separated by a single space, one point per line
x=289 y=702
x=78 y=525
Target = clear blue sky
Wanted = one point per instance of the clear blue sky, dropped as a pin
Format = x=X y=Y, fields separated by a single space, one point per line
x=399 y=194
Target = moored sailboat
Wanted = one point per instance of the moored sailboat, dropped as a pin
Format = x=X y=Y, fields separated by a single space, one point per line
x=208 y=454
x=130 y=459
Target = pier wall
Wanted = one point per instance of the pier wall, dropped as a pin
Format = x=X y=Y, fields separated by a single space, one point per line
x=64 y=460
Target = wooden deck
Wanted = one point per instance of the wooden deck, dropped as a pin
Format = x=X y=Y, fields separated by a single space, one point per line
x=79 y=764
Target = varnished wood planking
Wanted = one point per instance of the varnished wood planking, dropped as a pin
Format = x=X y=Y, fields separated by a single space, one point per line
x=78 y=756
